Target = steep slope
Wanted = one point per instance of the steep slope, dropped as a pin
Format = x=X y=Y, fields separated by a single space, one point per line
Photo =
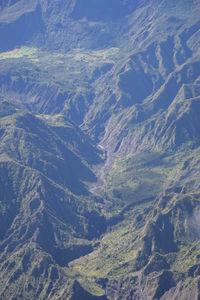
x=41 y=220
x=99 y=149
x=63 y=24
x=154 y=251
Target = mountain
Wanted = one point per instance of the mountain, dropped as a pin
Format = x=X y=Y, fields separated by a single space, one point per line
x=99 y=149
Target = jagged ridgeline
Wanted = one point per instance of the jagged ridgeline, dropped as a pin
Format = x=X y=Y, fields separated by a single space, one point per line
x=99 y=149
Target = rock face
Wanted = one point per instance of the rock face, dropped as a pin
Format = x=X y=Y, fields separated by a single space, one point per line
x=99 y=149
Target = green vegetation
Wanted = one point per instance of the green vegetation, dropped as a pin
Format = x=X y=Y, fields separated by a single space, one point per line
x=31 y=53
x=139 y=177
x=99 y=150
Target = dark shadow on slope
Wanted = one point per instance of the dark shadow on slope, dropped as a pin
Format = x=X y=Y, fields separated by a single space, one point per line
x=79 y=293
x=103 y=10
x=20 y=31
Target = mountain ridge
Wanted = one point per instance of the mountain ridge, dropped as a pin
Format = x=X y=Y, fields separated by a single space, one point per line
x=99 y=149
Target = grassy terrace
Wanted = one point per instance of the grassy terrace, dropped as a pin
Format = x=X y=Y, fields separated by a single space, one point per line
x=134 y=177
x=19 y=53
x=140 y=178
x=76 y=69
